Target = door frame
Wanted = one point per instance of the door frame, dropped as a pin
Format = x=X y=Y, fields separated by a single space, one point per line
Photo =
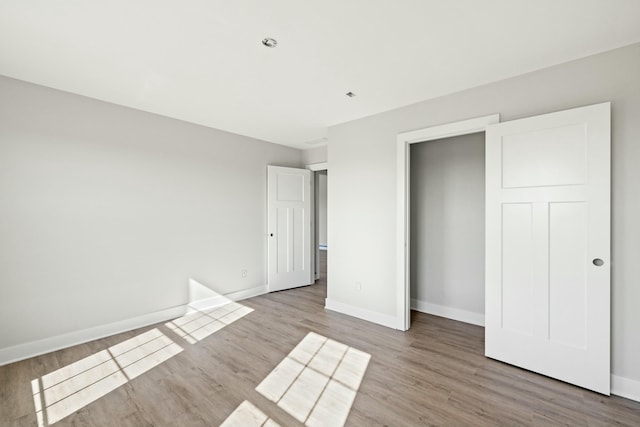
x=315 y=260
x=403 y=239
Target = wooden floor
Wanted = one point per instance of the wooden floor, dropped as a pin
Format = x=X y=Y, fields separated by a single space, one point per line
x=434 y=374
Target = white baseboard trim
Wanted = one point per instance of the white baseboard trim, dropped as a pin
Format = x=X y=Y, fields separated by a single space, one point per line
x=625 y=387
x=361 y=313
x=248 y=293
x=620 y=386
x=47 y=345
x=219 y=300
x=448 y=312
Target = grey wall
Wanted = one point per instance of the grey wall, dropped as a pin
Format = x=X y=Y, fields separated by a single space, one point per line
x=106 y=212
x=363 y=190
x=314 y=155
x=447 y=222
x=322 y=207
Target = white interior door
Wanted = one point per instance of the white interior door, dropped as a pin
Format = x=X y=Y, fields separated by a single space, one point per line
x=548 y=244
x=289 y=227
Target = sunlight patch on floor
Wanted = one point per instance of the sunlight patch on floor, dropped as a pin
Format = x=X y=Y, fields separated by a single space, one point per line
x=247 y=415
x=70 y=388
x=200 y=323
x=318 y=381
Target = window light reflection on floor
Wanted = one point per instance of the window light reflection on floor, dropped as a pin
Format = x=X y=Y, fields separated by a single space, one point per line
x=200 y=323
x=318 y=381
x=68 y=389
x=247 y=415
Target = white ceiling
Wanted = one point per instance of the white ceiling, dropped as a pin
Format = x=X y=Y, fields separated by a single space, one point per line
x=202 y=61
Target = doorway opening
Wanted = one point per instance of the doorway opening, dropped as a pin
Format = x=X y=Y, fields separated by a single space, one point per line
x=403 y=250
x=447 y=211
x=321 y=246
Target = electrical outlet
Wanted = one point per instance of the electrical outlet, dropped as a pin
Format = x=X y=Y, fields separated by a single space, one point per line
x=244 y=273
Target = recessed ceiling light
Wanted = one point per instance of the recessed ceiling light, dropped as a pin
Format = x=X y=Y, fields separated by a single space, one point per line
x=350 y=94
x=269 y=42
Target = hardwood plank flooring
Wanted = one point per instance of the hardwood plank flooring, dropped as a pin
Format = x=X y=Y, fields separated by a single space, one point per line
x=434 y=374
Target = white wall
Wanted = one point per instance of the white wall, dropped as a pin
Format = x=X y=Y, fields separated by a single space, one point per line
x=322 y=208
x=447 y=225
x=362 y=190
x=107 y=212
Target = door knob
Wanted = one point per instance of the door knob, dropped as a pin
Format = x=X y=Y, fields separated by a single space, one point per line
x=598 y=262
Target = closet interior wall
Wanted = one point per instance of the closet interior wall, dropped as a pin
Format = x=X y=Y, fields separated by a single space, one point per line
x=447 y=226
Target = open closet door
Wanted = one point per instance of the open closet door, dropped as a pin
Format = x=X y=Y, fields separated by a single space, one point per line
x=548 y=245
x=289 y=227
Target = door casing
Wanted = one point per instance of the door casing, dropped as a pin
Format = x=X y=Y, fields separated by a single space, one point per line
x=465 y=127
x=315 y=259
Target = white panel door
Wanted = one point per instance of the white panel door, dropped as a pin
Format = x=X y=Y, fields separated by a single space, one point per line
x=289 y=227
x=548 y=244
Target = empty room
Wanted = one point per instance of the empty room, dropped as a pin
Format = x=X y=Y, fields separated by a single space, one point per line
x=336 y=213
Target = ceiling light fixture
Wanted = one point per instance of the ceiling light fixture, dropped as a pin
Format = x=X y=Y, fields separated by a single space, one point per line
x=269 y=42
x=350 y=94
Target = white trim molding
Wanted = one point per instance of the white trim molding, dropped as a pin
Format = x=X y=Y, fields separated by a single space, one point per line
x=248 y=293
x=361 y=313
x=625 y=387
x=465 y=127
x=322 y=166
x=47 y=345
x=69 y=339
x=218 y=300
x=448 y=312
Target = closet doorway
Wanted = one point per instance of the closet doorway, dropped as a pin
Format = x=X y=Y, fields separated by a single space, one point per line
x=447 y=214
x=547 y=238
x=403 y=251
